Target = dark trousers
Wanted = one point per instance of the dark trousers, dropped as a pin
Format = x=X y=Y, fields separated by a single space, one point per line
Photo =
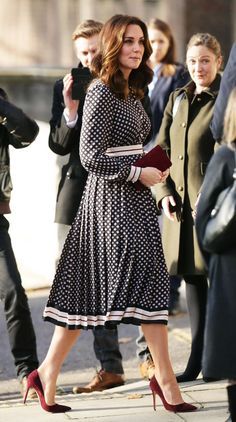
x=19 y=324
x=107 y=351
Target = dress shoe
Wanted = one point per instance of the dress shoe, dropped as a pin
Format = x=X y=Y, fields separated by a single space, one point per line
x=33 y=381
x=101 y=381
x=23 y=387
x=176 y=408
x=147 y=369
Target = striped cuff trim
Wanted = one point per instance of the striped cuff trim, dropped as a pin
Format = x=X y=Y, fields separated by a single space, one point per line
x=134 y=174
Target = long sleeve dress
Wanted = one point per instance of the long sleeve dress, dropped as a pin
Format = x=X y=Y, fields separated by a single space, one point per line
x=112 y=267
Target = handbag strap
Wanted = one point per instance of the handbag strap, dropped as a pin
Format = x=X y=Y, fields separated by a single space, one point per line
x=234 y=172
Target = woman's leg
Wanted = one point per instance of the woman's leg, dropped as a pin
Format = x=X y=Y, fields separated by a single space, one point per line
x=61 y=343
x=157 y=339
x=196 y=297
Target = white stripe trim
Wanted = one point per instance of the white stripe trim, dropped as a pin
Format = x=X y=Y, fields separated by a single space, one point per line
x=134 y=174
x=137 y=174
x=92 y=320
x=131 y=174
x=124 y=150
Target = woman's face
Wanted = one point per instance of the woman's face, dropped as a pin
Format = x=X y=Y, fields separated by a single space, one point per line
x=132 y=50
x=203 y=66
x=160 y=45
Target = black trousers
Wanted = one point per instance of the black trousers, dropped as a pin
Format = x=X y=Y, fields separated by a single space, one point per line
x=19 y=324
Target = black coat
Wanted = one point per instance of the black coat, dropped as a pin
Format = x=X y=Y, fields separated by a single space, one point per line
x=228 y=82
x=161 y=92
x=18 y=130
x=63 y=141
x=220 y=345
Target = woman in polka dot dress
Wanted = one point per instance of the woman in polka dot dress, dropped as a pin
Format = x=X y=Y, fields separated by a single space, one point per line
x=112 y=267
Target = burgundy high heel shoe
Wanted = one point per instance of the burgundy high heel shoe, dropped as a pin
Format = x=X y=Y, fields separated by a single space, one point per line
x=33 y=381
x=156 y=389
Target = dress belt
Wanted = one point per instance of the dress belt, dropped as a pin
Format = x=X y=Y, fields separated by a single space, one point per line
x=124 y=150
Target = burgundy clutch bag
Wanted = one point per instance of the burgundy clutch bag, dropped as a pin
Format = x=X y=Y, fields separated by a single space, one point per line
x=157 y=158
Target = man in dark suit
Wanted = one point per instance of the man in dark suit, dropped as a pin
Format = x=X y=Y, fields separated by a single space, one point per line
x=65 y=126
x=19 y=131
x=228 y=82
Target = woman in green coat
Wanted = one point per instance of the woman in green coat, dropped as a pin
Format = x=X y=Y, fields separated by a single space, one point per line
x=186 y=136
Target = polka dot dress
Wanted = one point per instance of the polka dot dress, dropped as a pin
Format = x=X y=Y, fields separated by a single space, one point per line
x=112 y=267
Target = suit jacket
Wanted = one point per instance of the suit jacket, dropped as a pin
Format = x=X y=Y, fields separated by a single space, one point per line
x=228 y=82
x=63 y=141
x=161 y=92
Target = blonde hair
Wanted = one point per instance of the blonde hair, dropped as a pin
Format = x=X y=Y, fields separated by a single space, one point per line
x=230 y=119
x=207 y=40
x=87 y=29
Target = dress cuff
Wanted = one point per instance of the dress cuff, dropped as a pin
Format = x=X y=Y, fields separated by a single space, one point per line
x=70 y=123
x=134 y=174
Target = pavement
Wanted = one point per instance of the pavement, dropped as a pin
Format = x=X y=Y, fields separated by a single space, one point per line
x=129 y=403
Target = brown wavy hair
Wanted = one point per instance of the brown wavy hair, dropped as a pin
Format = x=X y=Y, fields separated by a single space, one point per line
x=169 y=61
x=105 y=64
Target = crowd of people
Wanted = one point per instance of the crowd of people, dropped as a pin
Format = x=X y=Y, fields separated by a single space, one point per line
x=116 y=265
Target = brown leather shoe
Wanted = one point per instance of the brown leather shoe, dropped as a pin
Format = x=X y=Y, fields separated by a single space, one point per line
x=23 y=387
x=147 y=369
x=101 y=381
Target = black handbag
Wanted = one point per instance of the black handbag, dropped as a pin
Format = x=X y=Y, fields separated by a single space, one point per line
x=220 y=232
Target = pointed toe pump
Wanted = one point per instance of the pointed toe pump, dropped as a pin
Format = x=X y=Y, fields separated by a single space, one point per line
x=176 y=408
x=33 y=381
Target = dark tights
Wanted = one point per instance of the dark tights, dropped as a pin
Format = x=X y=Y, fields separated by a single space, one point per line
x=196 y=297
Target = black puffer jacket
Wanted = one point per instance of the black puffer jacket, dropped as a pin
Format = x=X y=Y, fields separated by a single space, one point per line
x=18 y=130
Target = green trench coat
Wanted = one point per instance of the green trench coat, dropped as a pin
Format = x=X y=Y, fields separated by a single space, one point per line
x=187 y=139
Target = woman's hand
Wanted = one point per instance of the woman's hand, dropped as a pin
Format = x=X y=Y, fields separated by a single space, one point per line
x=166 y=202
x=150 y=176
x=71 y=105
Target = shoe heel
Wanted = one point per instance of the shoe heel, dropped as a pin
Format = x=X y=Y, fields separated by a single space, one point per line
x=26 y=394
x=154 y=400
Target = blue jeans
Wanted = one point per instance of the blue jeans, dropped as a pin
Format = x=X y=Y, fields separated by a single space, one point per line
x=142 y=347
x=19 y=324
x=107 y=351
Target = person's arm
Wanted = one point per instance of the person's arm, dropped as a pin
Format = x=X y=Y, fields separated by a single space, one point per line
x=21 y=129
x=163 y=139
x=62 y=137
x=228 y=82
x=96 y=134
x=166 y=195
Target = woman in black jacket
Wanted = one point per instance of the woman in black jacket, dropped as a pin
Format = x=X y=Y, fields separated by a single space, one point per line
x=219 y=344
